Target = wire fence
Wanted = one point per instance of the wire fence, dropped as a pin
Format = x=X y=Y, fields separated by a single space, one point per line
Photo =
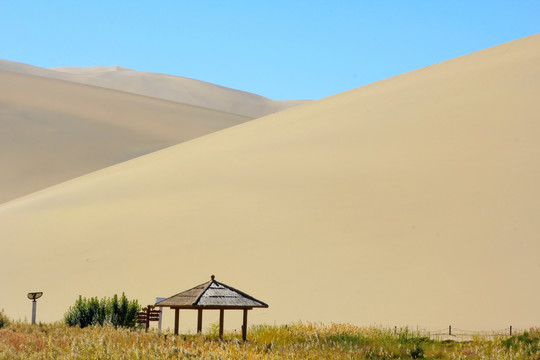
x=452 y=333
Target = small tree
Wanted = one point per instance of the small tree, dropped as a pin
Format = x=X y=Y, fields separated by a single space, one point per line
x=114 y=309
x=79 y=313
x=123 y=312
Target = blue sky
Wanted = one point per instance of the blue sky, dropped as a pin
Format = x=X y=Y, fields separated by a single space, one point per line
x=279 y=49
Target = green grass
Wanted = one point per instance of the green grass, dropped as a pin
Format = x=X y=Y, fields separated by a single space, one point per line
x=19 y=340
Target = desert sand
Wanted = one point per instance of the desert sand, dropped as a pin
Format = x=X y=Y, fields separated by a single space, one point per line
x=410 y=201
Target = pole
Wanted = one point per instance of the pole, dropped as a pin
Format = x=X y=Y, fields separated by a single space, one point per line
x=158 y=299
x=510 y=330
x=34 y=296
x=449 y=329
x=244 y=326
x=199 y=321
x=159 y=323
x=34 y=304
x=176 y=320
x=147 y=318
x=221 y=315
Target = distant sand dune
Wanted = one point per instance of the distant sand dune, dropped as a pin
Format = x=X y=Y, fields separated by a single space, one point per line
x=173 y=88
x=413 y=200
x=52 y=130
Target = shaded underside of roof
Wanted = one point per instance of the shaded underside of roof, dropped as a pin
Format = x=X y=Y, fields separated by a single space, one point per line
x=211 y=294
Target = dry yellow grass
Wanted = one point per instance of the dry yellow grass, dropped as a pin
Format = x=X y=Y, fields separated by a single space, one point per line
x=296 y=341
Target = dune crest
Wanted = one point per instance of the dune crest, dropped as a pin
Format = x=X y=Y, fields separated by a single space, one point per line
x=167 y=87
x=90 y=70
x=410 y=201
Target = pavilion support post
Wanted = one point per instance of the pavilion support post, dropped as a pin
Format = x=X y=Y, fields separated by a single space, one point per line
x=221 y=316
x=199 y=321
x=176 y=320
x=244 y=326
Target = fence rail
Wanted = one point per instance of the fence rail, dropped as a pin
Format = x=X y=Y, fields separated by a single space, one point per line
x=456 y=333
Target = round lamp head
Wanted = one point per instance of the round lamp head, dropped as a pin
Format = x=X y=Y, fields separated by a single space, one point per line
x=34 y=295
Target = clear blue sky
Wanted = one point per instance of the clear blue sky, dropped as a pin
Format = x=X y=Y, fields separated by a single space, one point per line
x=279 y=49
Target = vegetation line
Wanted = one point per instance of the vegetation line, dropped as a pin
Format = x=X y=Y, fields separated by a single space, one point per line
x=20 y=340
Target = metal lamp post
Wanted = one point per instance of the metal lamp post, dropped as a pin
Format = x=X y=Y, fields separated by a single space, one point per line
x=34 y=296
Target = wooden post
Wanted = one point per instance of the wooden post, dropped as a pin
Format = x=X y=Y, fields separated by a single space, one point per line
x=221 y=316
x=147 y=325
x=449 y=329
x=510 y=330
x=244 y=326
x=176 y=320
x=146 y=315
x=199 y=321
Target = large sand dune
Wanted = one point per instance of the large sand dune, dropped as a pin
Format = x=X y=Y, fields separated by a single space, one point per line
x=414 y=200
x=173 y=88
x=52 y=130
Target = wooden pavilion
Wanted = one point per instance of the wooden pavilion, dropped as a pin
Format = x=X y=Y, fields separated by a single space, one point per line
x=211 y=295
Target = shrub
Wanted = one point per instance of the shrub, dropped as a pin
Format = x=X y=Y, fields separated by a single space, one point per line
x=113 y=311
x=4 y=320
x=526 y=342
x=123 y=312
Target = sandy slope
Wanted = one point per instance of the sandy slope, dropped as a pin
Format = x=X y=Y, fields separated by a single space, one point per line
x=53 y=130
x=168 y=87
x=413 y=200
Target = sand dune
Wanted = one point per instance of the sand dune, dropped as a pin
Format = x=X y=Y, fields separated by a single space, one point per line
x=167 y=87
x=413 y=200
x=52 y=130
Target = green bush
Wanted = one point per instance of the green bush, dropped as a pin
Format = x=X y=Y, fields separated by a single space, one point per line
x=118 y=312
x=528 y=343
x=4 y=320
x=123 y=312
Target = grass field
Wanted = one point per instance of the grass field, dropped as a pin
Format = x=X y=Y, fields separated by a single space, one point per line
x=20 y=340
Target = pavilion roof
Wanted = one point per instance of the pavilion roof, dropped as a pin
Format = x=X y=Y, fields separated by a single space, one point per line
x=212 y=294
